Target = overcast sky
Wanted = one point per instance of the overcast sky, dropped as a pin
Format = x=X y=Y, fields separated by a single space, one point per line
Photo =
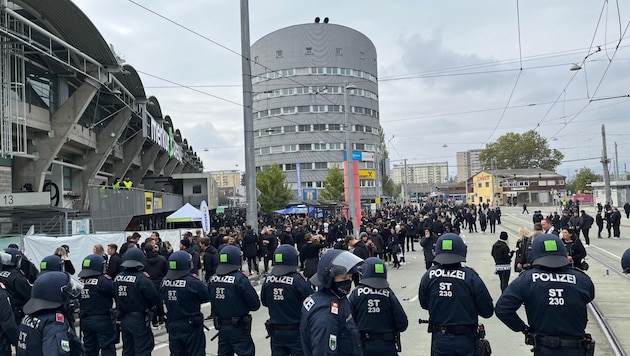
x=451 y=73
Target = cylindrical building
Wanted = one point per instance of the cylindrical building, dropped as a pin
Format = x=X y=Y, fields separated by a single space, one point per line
x=299 y=74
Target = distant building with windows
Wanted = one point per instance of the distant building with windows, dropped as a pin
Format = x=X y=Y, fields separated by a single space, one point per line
x=419 y=173
x=226 y=178
x=468 y=164
x=299 y=76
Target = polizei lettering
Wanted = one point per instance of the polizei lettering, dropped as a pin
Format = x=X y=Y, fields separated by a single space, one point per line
x=222 y=279
x=127 y=279
x=279 y=279
x=554 y=277
x=448 y=273
x=178 y=283
x=368 y=290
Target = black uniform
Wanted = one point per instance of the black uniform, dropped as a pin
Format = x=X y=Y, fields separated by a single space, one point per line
x=135 y=297
x=379 y=316
x=555 y=303
x=327 y=326
x=283 y=295
x=46 y=332
x=18 y=288
x=183 y=298
x=8 y=328
x=97 y=325
x=454 y=296
x=233 y=297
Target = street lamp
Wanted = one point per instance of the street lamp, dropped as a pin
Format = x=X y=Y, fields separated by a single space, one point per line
x=350 y=169
x=234 y=190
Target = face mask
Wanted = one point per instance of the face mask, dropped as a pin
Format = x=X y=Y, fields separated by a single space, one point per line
x=341 y=288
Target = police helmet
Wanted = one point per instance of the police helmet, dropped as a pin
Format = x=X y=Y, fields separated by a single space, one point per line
x=549 y=251
x=5 y=258
x=133 y=257
x=93 y=265
x=450 y=249
x=285 y=260
x=333 y=263
x=374 y=273
x=625 y=261
x=179 y=264
x=16 y=256
x=51 y=263
x=229 y=260
x=52 y=290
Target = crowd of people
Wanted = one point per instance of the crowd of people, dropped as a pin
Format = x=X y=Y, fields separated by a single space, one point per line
x=307 y=266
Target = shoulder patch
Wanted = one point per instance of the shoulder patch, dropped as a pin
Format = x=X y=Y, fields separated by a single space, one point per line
x=65 y=345
x=107 y=276
x=332 y=342
x=59 y=318
x=334 y=308
x=146 y=274
x=196 y=275
x=308 y=303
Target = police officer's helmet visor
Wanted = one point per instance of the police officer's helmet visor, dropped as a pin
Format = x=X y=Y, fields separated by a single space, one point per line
x=5 y=258
x=344 y=263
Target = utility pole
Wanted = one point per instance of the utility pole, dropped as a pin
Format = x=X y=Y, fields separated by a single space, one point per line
x=248 y=120
x=605 y=162
x=406 y=195
x=616 y=163
x=352 y=211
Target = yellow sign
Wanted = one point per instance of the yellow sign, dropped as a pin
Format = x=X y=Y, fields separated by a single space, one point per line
x=367 y=174
x=377 y=200
x=148 y=203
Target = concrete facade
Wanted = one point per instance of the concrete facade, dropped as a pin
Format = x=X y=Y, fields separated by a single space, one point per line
x=299 y=77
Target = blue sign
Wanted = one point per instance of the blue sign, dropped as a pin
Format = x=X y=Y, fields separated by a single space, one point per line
x=356 y=156
x=310 y=194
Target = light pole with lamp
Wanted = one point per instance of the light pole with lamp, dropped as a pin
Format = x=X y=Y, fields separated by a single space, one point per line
x=349 y=161
x=234 y=189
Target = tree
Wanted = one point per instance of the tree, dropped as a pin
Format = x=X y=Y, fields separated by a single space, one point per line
x=516 y=151
x=274 y=192
x=390 y=188
x=333 y=185
x=223 y=199
x=583 y=179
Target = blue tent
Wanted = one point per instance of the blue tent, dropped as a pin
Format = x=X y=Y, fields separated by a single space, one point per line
x=297 y=209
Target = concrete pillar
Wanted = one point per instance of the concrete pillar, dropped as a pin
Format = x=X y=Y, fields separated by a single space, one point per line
x=131 y=151
x=93 y=160
x=148 y=158
x=48 y=146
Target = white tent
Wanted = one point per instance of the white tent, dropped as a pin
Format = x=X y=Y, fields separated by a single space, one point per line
x=186 y=213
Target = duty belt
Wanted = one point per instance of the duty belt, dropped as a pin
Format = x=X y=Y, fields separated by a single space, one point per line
x=286 y=327
x=554 y=342
x=87 y=315
x=368 y=336
x=230 y=321
x=456 y=329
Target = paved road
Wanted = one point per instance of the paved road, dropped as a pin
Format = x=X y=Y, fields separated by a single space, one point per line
x=405 y=282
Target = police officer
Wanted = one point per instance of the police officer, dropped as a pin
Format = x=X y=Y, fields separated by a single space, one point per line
x=282 y=292
x=15 y=282
x=378 y=314
x=555 y=296
x=455 y=296
x=327 y=326
x=625 y=261
x=51 y=263
x=97 y=325
x=232 y=297
x=183 y=293
x=44 y=329
x=135 y=298
x=8 y=327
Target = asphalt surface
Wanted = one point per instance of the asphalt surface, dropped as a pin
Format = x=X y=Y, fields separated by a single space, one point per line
x=405 y=283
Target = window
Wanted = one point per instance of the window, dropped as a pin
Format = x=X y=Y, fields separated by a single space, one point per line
x=276 y=149
x=307 y=166
x=319 y=146
x=309 y=50
x=279 y=53
x=317 y=70
x=265 y=150
x=359 y=146
x=290 y=148
x=305 y=147
x=321 y=165
x=335 y=146
x=196 y=189
x=487 y=184
x=334 y=108
x=256 y=59
x=361 y=55
x=289 y=128
x=319 y=108
x=319 y=184
x=334 y=127
x=478 y=185
x=67 y=178
x=289 y=167
x=304 y=128
x=276 y=111
x=338 y=52
x=319 y=127
x=367 y=183
x=304 y=108
x=288 y=109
